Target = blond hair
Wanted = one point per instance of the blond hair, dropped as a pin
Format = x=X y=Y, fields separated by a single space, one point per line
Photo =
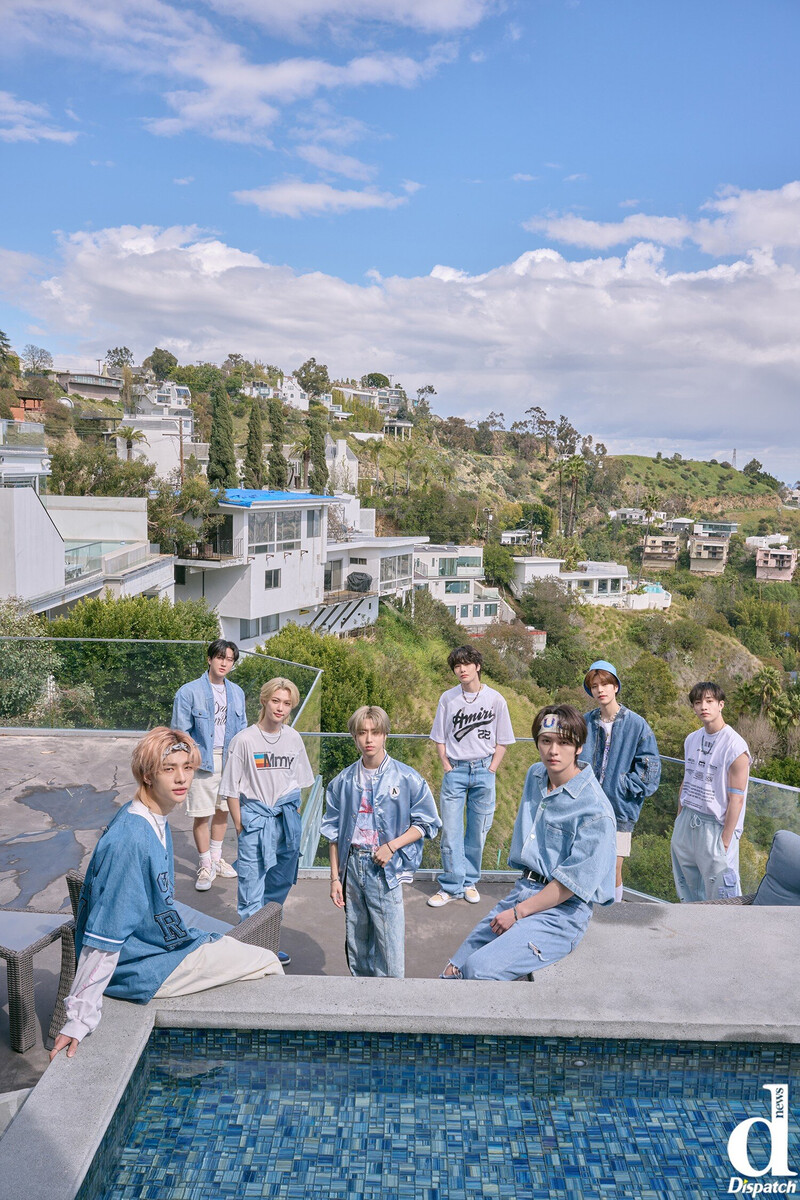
x=149 y=754
x=369 y=712
x=272 y=686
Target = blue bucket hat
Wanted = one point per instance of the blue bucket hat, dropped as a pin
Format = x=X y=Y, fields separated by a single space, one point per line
x=601 y=665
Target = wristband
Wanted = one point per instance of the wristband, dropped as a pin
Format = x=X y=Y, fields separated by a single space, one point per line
x=516 y=918
x=736 y=791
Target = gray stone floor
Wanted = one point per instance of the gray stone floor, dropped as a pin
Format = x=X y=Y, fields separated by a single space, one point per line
x=57 y=794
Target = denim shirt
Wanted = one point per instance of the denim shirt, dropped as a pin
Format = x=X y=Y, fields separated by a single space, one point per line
x=633 y=770
x=400 y=798
x=568 y=834
x=193 y=712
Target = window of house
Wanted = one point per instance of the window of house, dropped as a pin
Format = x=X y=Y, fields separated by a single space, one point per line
x=313 y=522
x=584 y=585
x=261 y=532
x=448 y=566
x=287 y=532
x=476 y=610
x=456 y=587
x=451 y=608
x=615 y=585
x=602 y=586
x=272 y=579
x=396 y=571
x=357 y=562
x=490 y=610
x=247 y=629
x=270 y=624
x=470 y=560
x=333 y=576
x=180 y=576
x=464 y=610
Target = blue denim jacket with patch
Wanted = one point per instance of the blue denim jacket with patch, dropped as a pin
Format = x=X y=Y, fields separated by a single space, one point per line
x=568 y=834
x=400 y=798
x=633 y=770
x=193 y=712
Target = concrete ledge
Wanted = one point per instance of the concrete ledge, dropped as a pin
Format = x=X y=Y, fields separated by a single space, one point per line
x=657 y=972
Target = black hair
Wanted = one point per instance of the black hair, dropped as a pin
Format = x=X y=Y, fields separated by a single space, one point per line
x=701 y=689
x=219 y=649
x=464 y=654
x=571 y=725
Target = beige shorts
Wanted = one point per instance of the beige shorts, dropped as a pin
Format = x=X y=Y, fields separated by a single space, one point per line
x=204 y=798
x=214 y=963
x=623 y=844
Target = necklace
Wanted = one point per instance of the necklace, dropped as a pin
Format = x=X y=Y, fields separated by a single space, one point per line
x=271 y=741
x=471 y=697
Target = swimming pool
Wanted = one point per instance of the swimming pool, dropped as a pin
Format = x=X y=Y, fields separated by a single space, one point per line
x=357 y=1116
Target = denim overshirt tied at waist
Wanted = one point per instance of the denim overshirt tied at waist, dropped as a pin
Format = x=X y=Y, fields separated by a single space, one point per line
x=400 y=798
x=568 y=834
x=266 y=822
x=193 y=712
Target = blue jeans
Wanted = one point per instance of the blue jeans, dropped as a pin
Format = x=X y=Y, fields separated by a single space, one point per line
x=530 y=944
x=470 y=785
x=257 y=886
x=375 y=920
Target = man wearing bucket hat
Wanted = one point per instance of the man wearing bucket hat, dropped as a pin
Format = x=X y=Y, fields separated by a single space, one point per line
x=621 y=749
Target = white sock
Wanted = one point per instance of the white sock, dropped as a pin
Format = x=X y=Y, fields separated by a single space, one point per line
x=216 y=850
x=205 y=860
x=617 y=891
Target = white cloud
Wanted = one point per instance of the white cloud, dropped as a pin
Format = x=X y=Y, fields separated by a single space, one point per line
x=631 y=352
x=430 y=16
x=294 y=198
x=23 y=121
x=575 y=178
x=629 y=203
x=521 y=177
x=337 y=164
x=184 y=181
x=746 y=221
x=411 y=187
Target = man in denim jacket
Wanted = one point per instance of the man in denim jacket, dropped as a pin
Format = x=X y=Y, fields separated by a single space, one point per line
x=211 y=710
x=374 y=809
x=621 y=748
x=563 y=843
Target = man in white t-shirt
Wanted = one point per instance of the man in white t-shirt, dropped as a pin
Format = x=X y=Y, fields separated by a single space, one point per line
x=266 y=768
x=471 y=730
x=705 y=840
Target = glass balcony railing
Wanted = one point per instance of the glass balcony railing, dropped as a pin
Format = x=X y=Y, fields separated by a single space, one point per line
x=770 y=806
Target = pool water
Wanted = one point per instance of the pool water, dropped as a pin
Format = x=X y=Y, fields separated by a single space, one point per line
x=357 y=1116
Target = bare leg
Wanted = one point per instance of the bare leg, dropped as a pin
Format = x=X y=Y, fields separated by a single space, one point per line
x=201 y=834
x=219 y=823
x=620 y=861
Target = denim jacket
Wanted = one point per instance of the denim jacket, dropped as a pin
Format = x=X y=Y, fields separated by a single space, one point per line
x=400 y=798
x=633 y=770
x=193 y=712
x=568 y=834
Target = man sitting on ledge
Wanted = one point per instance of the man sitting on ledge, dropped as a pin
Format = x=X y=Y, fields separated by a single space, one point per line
x=564 y=843
x=130 y=939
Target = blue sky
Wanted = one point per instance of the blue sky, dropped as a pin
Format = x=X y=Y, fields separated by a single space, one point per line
x=587 y=205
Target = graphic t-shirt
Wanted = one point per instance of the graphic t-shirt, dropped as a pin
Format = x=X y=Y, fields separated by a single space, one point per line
x=607 y=727
x=708 y=758
x=365 y=832
x=471 y=724
x=220 y=714
x=265 y=766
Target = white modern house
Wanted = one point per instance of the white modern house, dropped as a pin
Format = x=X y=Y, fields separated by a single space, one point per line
x=453 y=575
x=24 y=459
x=600 y=583
x=637 y=516
x=57 y=550
x=165 y=417
x=273 y=561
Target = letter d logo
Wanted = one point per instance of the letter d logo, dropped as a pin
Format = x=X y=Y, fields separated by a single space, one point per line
x=778 y=1128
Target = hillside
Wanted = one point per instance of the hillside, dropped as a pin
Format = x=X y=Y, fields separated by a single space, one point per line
x=712 y=486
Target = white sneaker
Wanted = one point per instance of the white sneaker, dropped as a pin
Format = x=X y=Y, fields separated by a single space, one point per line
x=205 y=878
x=223 y=869
x=472 y=895
x=440 y=899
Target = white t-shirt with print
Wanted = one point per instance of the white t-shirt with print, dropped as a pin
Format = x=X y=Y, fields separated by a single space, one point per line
x=365 y=832
x=708 y=758
x=265 y=766
x=471 y=724
x=220 y=714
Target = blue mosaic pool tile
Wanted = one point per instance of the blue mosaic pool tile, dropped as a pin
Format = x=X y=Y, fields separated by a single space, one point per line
x=366 y=1116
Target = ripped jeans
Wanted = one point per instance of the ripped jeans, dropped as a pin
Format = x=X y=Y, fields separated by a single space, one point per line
x=531 y=942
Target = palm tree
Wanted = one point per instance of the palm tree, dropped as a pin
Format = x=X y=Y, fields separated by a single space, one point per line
x=407 y=454
x=374 y=451
x=649 y=505
x=131 y=437
x=302 y=448
x=574 y=471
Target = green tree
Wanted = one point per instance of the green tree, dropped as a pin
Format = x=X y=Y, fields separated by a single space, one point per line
x=36 y=359
x=180 y=516
x=538 y=516
x=302 y=450
x=26 y=665
x=118 y=358
x=313 y=377
x=317 y=422
x=546 y=604
x=276 y=462
x=221 y=469
x=91 y=470
x=649 y=687
x=498 y=564
x=131 y=437
x=574 y=473
x=375 y=380
x=161 y=363
x=254 y=453
x=5 y=351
